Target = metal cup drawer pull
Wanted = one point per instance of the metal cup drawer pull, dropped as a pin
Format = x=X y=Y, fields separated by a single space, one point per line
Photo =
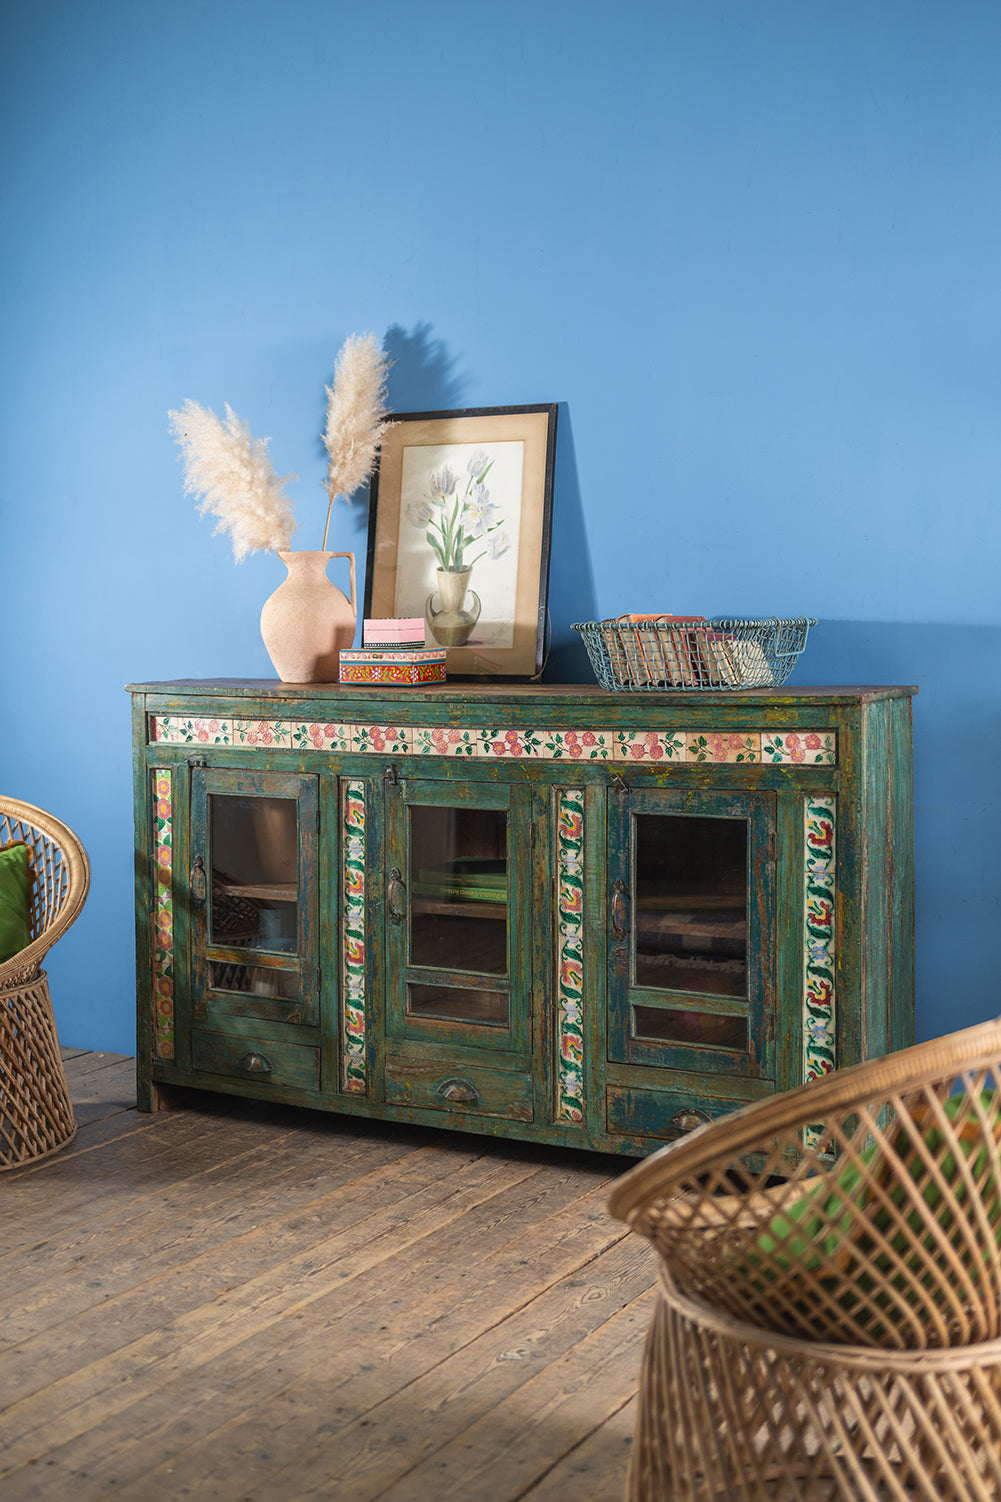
x=256 y=1063
x=459 y=1090
x=688 y=1118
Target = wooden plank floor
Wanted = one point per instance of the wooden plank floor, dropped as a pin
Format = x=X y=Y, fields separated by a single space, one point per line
x=239 y=1301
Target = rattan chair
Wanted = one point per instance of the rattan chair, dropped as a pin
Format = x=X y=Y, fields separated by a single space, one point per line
x=36 y=1116
x=829 y=1319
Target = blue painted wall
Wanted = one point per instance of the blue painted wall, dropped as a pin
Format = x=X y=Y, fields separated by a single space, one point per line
x=752 y=248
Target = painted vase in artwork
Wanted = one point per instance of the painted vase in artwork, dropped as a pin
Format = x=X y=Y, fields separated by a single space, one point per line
x=308 y=621
x=452 y=625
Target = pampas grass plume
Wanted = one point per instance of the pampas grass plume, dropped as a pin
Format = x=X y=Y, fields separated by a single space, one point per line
x=232 y=473
x=356 y=409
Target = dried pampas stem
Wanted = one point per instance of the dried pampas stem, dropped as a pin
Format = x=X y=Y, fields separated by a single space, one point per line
x=232 y=473
x=356 y=408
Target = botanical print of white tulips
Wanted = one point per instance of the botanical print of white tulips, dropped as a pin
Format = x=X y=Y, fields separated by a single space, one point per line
x=459 y=506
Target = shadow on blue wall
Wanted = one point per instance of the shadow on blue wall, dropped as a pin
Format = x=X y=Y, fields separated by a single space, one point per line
x=957 y=812
x=572 y=595
x=425 y=377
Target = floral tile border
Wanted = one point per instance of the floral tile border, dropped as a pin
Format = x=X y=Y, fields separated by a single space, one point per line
x=708 y=747
x=353 y=1066
x=163 y=914
x=811 y=747
x=649 y=745
x=443 y=741
x=275 y=734
x=722 y=748
x=819 y=918
x=570 y=956
x=176 y=730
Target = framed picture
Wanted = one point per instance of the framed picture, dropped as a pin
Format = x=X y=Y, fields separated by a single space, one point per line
x=458 y=534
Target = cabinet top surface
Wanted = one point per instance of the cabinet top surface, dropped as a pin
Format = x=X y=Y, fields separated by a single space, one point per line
x=501 y=690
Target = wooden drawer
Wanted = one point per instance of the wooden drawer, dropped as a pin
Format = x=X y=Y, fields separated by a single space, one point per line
x=662 y=1113
x=263 y=1060
x=476 y=1091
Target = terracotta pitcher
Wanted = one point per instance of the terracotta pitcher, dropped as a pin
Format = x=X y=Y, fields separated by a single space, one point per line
x=307 y=622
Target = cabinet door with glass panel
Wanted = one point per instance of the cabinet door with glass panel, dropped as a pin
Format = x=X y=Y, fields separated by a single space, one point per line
x=691 y=930
x=457 y=914
x=253 y=896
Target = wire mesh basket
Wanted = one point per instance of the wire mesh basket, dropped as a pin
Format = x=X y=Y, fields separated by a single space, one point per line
x=689 y=652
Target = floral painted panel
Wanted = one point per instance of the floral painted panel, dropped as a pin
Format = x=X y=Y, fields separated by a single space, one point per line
x=578 y=745
x=570 y=956
x=819 y=997
x=721 y=747
x=382 y=740
x=443 y=741
x=315 y=735
x=650 y=745
x=516 y=744
x=268 y=734
x=353 y=1069
x=174 y=730
x=163 y=915
x=809 y=747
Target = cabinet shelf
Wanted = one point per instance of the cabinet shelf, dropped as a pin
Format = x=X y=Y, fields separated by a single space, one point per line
x=261 y=891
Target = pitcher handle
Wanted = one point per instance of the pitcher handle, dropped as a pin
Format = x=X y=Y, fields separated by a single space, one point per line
x=351 y=602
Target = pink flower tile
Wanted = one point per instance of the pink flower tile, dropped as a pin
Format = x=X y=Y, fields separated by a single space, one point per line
x=513 y=744
x=275 y=734
x=379 y=740
x=649 y=745
x=805 y=747
x=174 y=730
x=577 y=745
x=427 y=741
x=721 y=747
x=317 y=735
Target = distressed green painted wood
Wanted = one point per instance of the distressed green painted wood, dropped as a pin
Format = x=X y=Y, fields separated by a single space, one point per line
x=534 y=752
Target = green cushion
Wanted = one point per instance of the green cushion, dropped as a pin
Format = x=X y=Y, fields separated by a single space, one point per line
x=796 y=1234
x=14 y=884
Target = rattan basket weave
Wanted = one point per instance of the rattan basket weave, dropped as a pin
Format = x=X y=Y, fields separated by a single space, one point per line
x=863 y=1209
x=36 y=1116
x=727 y=1411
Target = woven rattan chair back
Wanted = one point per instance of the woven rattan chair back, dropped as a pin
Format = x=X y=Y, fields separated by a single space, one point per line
x=861 y=1209
x=36 y=1116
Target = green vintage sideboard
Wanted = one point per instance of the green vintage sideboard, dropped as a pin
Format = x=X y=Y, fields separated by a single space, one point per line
x=551 y=913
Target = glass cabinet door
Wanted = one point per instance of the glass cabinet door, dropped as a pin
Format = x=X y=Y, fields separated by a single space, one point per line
x=456 y=900
x=252 y=889
x=691 y=930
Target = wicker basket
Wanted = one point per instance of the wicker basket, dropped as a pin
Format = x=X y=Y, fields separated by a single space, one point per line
x=36 y=1114
x=664 y=652
x=862 y=1209
x=727 y=1411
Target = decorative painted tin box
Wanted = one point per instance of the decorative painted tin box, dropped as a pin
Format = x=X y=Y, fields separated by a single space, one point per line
x=400 y=667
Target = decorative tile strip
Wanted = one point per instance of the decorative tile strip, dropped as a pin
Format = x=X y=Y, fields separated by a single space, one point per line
x=819 y=998
x=810 y=747
x=570 y=956
x=273 y=734
x=649 y=745
x=314 y=735
x=578 y=745
x=353 y=1072
x=163 y=915
x=719 y=747
x=714 y=748
x=172 y=730
x=519 y=744
x=427 y=741
x=381 y=740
